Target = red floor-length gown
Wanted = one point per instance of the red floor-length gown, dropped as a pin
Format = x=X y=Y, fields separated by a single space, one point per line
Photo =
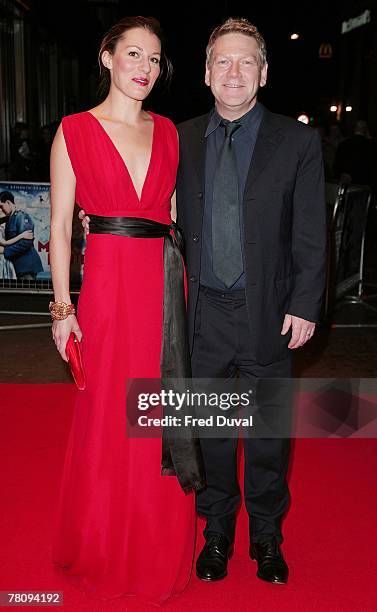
x=122 y=527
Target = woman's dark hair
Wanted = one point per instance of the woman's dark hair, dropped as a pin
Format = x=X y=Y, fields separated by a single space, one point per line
x=113 y=36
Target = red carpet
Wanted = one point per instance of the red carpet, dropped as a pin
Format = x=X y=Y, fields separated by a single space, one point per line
x=330 y=531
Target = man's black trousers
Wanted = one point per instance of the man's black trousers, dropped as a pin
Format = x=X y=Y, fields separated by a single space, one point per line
x=224 y=346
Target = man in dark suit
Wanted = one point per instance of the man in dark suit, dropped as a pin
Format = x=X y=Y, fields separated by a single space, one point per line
x=250 y=202
x=22 y=254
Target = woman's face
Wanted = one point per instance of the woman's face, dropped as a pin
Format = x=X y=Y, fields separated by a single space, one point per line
x=135 y=63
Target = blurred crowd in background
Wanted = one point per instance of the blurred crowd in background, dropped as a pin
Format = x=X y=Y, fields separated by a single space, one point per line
x=30 y=157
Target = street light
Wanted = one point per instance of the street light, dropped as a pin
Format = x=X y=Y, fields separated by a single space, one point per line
x=348 y=109
x=333 y=108
x=295 y=36
x=303 y=118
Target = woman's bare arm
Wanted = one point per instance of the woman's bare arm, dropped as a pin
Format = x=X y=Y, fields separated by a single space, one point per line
x=26 y=235
x=63 y=187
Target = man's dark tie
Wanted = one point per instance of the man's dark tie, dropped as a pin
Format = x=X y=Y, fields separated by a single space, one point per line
x=226 y=238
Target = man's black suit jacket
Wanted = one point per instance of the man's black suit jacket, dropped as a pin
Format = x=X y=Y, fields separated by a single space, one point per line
x=284 y=226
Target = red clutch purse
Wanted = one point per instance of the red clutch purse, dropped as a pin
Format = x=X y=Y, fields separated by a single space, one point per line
x=73 y=352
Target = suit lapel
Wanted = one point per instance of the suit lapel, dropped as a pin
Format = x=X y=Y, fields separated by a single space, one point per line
x=198 y=148
x=269 y=137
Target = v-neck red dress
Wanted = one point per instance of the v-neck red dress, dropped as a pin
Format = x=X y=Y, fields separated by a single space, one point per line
x=122 y=528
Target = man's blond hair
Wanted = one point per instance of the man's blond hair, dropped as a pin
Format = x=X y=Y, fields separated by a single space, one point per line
x=238 y=26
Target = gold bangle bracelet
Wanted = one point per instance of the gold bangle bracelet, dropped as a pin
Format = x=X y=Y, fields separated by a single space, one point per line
x=61 y=310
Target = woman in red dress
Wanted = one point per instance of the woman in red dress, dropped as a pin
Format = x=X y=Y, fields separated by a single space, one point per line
x=122 y=527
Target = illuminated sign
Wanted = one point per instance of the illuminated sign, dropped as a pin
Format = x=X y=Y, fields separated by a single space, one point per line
x=356 y=22
x=325 y=51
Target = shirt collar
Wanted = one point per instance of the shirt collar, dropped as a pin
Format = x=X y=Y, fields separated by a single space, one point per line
x=248 y=120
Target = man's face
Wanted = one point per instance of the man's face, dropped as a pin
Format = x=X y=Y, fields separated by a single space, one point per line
x=235 y=74
x=6 y=207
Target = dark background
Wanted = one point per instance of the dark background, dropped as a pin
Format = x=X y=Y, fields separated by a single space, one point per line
x=299 y=80
x=61 y=41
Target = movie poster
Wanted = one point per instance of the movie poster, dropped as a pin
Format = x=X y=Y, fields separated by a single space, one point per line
x=25 y=235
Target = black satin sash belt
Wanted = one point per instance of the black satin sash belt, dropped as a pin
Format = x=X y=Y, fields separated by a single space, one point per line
x=180 y=457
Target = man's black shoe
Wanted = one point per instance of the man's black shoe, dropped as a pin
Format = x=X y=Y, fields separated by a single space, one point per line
x=271 y=564
x=213 y=560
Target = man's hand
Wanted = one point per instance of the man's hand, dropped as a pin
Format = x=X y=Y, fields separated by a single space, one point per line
x=28 y=235
x=85 y=221
x=302 y=330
